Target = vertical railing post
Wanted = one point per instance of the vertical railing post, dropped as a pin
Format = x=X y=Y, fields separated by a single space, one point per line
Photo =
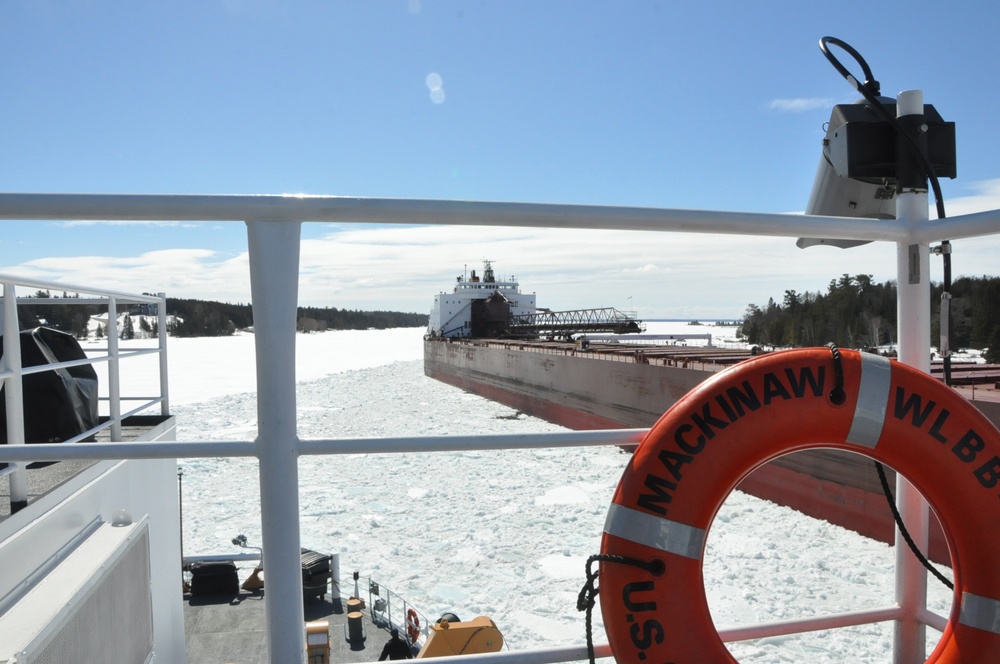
x=161 y=337
x=114 y=376
x=14 y=394
x=914 y=330
x=274 y=273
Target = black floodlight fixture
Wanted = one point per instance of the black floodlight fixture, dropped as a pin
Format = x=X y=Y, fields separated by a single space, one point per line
x=869 y=154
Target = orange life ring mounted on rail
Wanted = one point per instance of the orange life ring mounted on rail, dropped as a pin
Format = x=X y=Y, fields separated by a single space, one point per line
x=763 y=408
x=412 y=625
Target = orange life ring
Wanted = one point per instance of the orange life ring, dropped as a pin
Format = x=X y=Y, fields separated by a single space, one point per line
x=412 y=625
x=762 y=408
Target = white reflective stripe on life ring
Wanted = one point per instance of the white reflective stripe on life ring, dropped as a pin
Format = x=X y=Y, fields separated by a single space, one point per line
x=655 y=532
x=980 y=612
x=873 y=400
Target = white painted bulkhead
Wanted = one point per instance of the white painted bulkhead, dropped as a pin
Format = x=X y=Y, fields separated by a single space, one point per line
x=58 y=536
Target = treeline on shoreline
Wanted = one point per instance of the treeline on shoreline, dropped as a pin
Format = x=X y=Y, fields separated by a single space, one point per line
x=203 y=318
x=856 y=312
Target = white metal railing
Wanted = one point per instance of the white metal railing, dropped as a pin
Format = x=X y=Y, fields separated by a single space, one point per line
x=12 y=371
x=273 y=225
x=388 y=609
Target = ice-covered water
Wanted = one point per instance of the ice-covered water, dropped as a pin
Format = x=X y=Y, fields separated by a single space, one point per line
x=504 y=533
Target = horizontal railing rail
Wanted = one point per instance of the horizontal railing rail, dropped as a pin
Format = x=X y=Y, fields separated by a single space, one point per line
x=193 y=449
x=102 y=294
x=355 y=209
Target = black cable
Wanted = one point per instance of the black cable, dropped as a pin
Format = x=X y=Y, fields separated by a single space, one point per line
x=897 y=517
x=588 y=594
x=946 y=263
x=837 y=395
x=902 y=529
x=469 y=640
x=870 y=83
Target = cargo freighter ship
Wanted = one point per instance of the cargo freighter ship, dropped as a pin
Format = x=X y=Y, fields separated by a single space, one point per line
x=578 y=370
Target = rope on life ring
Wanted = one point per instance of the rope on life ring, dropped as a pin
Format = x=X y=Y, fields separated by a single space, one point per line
x=768 y=406
x=412 y=625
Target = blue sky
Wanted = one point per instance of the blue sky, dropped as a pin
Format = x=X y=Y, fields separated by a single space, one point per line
x=714 y=105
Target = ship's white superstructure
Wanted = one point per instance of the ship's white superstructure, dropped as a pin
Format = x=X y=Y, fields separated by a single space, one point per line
x=452 y=314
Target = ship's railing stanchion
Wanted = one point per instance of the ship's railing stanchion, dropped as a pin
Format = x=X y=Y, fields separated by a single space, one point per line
x=114 y=377
x=274 y=274
x=10 y=364
x=161 y=337
x=914 y=325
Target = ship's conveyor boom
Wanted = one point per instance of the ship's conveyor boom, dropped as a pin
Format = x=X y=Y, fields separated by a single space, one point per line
x=565 y=324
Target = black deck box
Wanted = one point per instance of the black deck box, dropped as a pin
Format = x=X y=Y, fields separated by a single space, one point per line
x=315 y=573
x=215 y=578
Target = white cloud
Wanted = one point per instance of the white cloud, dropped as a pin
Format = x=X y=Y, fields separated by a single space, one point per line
x=800 y=104
x=645 y=269
x=986 y=197
x=196 y=273
x=665 y=274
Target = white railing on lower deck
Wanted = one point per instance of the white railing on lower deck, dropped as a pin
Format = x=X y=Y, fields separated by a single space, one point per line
x=12 y=371
x=273 y=224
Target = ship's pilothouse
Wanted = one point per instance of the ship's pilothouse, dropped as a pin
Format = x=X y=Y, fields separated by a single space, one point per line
x=487 y=282
x=478 y=306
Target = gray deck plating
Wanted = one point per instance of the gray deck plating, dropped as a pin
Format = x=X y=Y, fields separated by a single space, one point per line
x=233 y=629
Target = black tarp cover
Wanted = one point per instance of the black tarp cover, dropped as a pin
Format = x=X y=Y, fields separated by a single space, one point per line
x=58 y=404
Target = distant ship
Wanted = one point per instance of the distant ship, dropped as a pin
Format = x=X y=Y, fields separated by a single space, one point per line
x=490 y=339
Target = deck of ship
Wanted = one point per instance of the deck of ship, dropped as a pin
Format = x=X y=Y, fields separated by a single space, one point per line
x=977 y=382
x=221 y=629
x=686 y=357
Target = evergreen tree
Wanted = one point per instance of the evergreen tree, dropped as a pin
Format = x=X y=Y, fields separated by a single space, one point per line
x=80 y=325
x=992 y=353
x=857 y=312
x=128 y=330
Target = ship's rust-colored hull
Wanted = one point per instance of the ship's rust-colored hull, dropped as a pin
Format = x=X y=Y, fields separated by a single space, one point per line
x=624 y=389
x=572 y=390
